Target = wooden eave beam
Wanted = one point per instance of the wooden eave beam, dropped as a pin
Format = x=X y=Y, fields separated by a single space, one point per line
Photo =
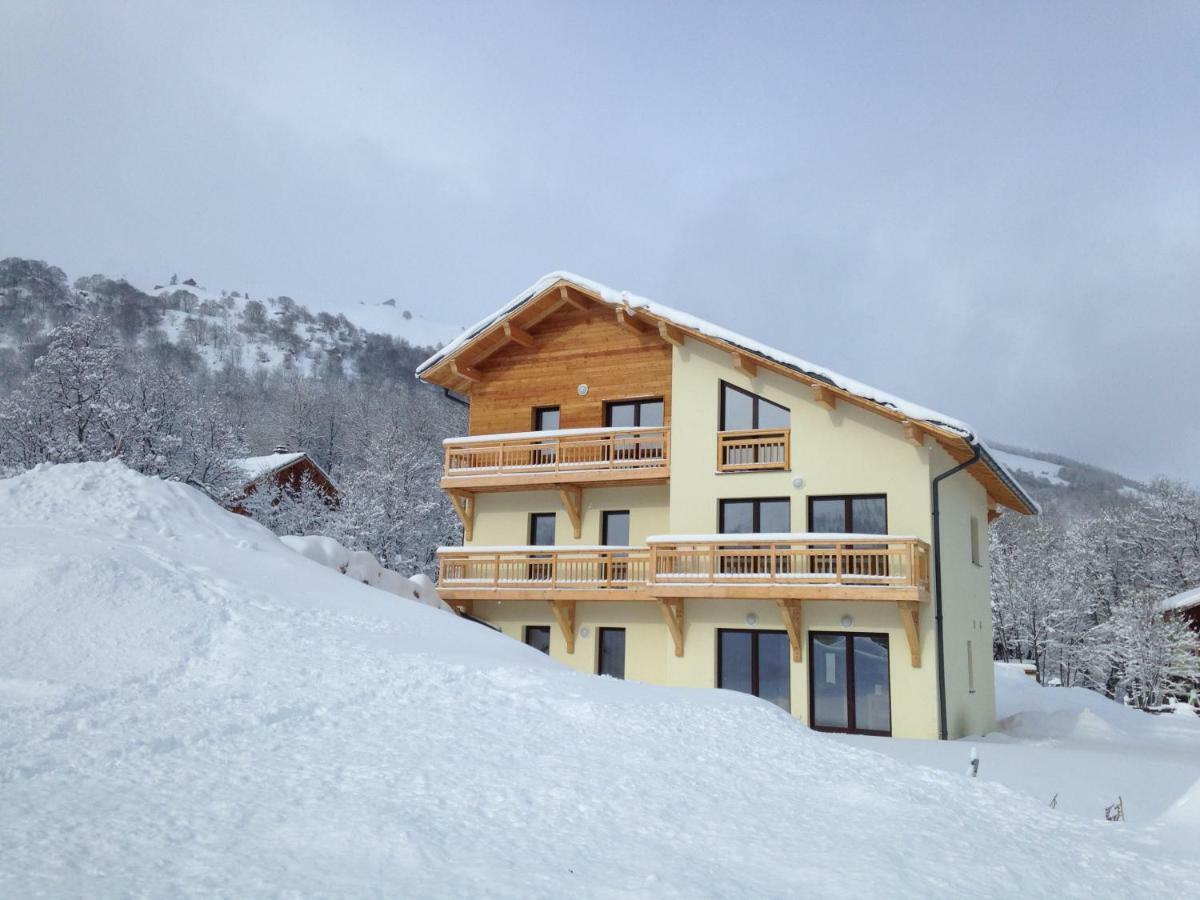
x=626 y=319
x=464 y=505
x=672 y=612
x=519 y=335
x=745 y=364
x=465 y=372
x=670 y=333
x=993 y=509
x=572 y=501
x=913 y=433
x=569 y=298
x=824 y=396
x=791 y=620
x=910 y=618
x=564 y=614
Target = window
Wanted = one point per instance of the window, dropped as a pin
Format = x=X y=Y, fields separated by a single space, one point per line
x=614 y=528
x=970 y=668
x=541 y=529
x=755 y=662
x=755 y=516
x=538 y=637
x=545 y=418
x=541 y=534
x=975 y=557
x=612 y=652
x=634 y=413
x=849 y=683
x=744 y=411
x=865 y=514
x=614 y=532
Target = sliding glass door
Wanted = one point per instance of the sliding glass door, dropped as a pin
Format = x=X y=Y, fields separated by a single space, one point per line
x=755 y=662
x=849 y=683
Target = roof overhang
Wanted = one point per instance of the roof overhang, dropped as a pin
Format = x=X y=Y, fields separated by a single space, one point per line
x=456 y=367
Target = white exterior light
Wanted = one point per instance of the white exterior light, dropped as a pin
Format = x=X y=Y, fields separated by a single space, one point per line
x=585 y=632
x=847 y=621
x=797 y=483
x=582 y=390
x=751 y=618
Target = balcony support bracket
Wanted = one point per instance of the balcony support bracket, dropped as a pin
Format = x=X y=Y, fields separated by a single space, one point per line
x=564 y=614
x=464 y=505
x=572 y=501
x=672 y=612
x=910 y=617
x=791 y=620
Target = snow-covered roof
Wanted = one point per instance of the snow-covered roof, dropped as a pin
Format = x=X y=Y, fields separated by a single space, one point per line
x=256 y=468
x=906 y=408
x=1185 y=600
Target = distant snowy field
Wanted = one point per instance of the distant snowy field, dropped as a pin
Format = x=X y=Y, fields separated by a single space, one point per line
x=189 y=707
x=1038 y=468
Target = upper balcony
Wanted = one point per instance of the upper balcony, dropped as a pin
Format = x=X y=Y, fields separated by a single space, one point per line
x=540 y=459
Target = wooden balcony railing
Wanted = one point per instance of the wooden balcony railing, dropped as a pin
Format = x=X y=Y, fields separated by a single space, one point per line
x=560 y=453
x=875 y=560
x=753 y=451
x=672 y=563
x=544 y=568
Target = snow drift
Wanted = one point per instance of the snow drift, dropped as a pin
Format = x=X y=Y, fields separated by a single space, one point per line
x=187 y=706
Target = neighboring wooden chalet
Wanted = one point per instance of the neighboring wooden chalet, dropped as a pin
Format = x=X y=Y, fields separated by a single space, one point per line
x=285 y=469
x=1185 y=606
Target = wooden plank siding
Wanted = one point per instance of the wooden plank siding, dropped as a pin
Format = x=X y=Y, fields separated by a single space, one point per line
x=573 y=347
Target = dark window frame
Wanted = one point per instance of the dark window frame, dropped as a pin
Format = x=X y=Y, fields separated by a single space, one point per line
x=755 y=400
x=851 y=718
x=533 y=518
x=636 y=402
x=755 y=687
x=600 y=634
x=849 y=509
x=538 y=628
x=604 y=517
x=757 y=515
x=535 y=417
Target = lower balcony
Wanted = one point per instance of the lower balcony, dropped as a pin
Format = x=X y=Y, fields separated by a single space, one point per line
x=786 y=568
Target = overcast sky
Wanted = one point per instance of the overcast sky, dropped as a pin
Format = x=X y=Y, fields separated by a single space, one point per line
x=990 y=209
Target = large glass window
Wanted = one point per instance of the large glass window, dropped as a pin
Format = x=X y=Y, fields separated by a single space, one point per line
x=744 y=411
x=849 y=683
x=865 y=514
x=612 y=652
x=538 y=637
x=634 y=413
x=614 y=528
x=756 y=516
x=755 y=662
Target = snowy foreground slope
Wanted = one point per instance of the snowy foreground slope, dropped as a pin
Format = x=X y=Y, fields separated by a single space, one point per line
x=188 y=706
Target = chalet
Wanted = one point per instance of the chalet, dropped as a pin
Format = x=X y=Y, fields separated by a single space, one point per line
x=1185 y=606
x=284 y=469
x=646 y=495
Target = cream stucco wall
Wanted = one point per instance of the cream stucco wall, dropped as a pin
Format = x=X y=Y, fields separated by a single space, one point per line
x=846 y=451
x=503 y=518
x=967 y=611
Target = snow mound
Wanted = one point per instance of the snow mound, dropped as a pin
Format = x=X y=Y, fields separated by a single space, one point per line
x=189 y=707
x=1076 y=724
x=365 y=568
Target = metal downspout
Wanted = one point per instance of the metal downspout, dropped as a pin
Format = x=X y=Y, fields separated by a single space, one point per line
x=937 y=584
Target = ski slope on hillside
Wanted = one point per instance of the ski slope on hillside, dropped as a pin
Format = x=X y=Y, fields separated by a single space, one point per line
x=189 y=707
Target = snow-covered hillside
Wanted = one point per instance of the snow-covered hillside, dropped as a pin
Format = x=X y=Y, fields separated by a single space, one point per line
x=1025 y=465
x=188 y=707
